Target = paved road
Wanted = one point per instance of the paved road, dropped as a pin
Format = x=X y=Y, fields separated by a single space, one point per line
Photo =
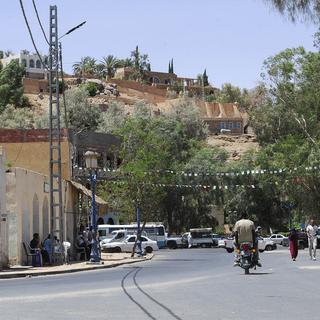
x=178 y=284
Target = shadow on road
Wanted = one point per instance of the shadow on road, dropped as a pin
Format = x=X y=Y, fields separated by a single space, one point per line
x=257 y=274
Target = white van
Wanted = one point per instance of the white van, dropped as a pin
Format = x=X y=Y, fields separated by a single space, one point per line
x=200 y=237
x=116 y=235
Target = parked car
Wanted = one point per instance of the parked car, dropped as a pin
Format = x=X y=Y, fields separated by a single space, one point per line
x=179 y=241
x=127 y=244
x=216 y=238
x=279 y=239
x=263 y=244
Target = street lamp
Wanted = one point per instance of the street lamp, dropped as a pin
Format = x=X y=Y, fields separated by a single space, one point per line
x=91 y=159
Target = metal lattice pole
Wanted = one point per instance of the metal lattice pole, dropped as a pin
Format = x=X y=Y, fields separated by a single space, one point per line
x=56 y=212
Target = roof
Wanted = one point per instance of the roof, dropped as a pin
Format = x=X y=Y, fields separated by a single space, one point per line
x=210 y=111
x=88 y=193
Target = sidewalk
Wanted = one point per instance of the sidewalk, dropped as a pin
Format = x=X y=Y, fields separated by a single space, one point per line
x=109 y=260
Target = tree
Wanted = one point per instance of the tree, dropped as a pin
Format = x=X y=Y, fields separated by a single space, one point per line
x=113 y=118
x=233 y=94
x=82 y=115
x=205 y=81
x=295 y=9
x=86 y=67
x=17 y=118
x=11 y=89
x=125 y=63
x=110 y=63
x=170 y=69
x=1 y=54
x=141 y=64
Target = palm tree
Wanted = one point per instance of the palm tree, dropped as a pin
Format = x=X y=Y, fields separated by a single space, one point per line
x=125 y=63
x=87 y=66
x=110 y=63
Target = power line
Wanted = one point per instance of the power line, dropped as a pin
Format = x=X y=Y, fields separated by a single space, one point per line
x=31 y=35
x=38 y=17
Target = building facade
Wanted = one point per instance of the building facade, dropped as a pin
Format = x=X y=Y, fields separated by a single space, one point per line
x=31 y=62
x=27 y=185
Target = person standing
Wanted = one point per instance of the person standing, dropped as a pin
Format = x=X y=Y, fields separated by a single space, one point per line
x=293 y=238
x=312 y=229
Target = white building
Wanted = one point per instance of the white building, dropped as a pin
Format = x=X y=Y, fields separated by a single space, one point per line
x=32 y=63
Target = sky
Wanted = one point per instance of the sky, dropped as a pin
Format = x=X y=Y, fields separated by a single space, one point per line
x=230 y=38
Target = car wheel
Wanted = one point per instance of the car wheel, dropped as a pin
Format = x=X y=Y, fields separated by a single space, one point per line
x=117 y=249
x=172 y=245
x=229 y=250
x=260 y=250
x=149 y=250
x=268 y=248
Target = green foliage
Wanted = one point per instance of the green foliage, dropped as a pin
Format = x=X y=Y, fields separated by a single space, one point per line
x=92 y=88
x=11 y=89
x=232 y=94
x=140 y=63
x=17 y=118
x=86 y=67
x=205 y=81
x=110 y=64
x=297 y=9
x=82 y=115
x=112 y=118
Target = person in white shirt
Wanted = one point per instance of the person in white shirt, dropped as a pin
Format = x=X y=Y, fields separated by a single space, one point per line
x=312 y=229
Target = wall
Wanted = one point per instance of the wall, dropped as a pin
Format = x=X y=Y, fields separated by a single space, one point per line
x=30 y=149
x=140 y=87
x=3 y=212
x=34 y=86
x=214 y=125
x=28 y=210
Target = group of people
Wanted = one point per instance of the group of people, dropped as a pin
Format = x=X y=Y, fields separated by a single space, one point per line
x=84 y=240
x=311 y=232
x=44 y=248
x=244 y=231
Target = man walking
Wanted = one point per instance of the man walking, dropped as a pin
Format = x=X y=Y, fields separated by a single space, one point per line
x=312 y=229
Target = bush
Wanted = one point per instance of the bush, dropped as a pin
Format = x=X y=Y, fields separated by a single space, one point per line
x=92 y=88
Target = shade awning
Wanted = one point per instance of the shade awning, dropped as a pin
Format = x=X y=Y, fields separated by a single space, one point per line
x=88 y=193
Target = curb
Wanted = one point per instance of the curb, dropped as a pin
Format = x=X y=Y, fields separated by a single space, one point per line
x=54 y=272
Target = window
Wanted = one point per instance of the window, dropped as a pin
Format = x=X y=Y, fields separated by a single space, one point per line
x=230 y=125
x=24 y=63
x=160 y=231
x=238 y=125
x=38 y=64
x=31 y=63
x=132 y=239
x=223 y=125
x=144 y=239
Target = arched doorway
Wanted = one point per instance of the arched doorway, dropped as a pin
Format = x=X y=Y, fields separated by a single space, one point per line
x=35 y=214
x=100 y=221
x=110 y=221
x=45 y=217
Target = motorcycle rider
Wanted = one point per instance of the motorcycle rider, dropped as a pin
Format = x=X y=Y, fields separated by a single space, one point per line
x=244 y=231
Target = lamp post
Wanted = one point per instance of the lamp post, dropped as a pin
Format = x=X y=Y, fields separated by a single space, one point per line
x=91 y=159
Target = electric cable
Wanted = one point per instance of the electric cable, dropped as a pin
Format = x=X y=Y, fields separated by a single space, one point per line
x=31 y=35
x=39 y=20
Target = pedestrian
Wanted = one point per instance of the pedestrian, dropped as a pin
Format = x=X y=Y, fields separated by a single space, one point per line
x=312 y=229
x=293 y=237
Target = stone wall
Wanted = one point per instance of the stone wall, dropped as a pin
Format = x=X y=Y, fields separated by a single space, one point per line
x=140 y=87
x=35 y=86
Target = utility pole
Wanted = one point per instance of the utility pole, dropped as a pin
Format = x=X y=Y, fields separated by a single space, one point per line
x=56 y=212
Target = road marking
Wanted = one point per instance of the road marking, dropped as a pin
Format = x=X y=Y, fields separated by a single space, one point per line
x=106 y=291
x=310 y=268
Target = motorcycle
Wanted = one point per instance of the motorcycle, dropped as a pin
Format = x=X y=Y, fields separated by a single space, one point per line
x=246 y=253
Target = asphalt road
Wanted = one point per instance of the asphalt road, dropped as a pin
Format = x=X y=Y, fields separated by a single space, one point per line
x=176 y=284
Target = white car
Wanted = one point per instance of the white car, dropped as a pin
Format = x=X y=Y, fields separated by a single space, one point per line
x=127 y=244
x=263 y=244
x=279 y=239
